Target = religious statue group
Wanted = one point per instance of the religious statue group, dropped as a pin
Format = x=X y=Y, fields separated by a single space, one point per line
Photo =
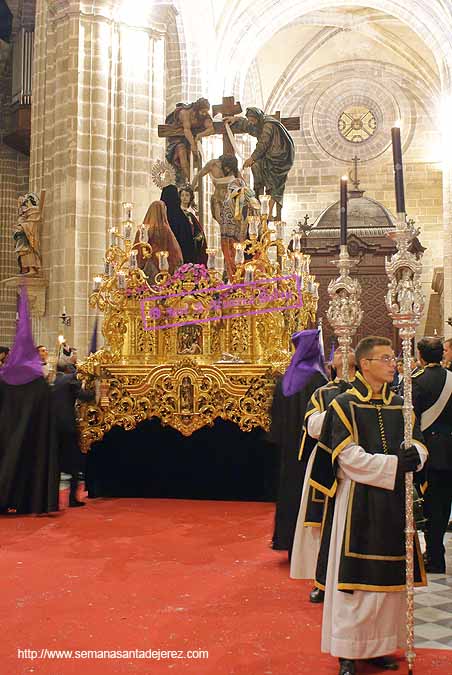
x=232 y=200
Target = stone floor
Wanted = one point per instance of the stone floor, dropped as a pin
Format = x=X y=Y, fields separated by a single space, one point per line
x=433 y=608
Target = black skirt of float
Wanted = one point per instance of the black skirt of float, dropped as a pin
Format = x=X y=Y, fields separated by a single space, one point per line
x=219 y=462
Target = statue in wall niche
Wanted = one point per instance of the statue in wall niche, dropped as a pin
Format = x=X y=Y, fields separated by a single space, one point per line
x=26 y=234
x=273 y=156
x=186 y=396
x=182 y=129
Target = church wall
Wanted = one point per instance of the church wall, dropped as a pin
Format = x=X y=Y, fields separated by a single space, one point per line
x=99 y=95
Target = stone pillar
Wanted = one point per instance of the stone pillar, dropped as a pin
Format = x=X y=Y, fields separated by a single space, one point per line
x=447 y=246
x=98 y=96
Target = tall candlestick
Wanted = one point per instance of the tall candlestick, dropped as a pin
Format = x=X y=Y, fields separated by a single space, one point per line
x=344 y=182
x=398 y=169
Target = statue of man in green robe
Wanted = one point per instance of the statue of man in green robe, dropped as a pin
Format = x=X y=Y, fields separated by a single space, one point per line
x=273 y=156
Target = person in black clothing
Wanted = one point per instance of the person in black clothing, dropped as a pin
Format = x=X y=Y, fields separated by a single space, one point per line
x=432 y=401
x=447 y=358
x=291 y=396
x=65 y=392
x=179 y=223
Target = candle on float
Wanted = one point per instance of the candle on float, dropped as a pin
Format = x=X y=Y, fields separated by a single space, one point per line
x=108 y=269
x=253 y=225
x=265 y=199
x=163 y=261
x=63 y=313
x=249 y=273
x=96 y=286
x=279 y=229
x=219 y=265
x=112 y=236
x=239 y=254
x=344 y=182
x=296 y=242
x=128 y=231
x=133 y=263
x=297 y=262
x=121 y=281
x=143 y=233
x=127 y=206
x=398 y=168
x=211 y=254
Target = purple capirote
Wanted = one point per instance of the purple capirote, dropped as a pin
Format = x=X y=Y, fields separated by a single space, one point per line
x=307 y=360
x=23 y=364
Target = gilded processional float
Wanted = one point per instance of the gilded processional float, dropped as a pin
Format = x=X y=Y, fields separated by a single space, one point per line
x=189 y=348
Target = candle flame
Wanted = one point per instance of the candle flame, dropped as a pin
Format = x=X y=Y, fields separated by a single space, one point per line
x=397 y=124
x=61 y=339
x=344 y=177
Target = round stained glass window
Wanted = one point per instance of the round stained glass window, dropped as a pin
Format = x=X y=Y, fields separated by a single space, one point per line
x=356 y=124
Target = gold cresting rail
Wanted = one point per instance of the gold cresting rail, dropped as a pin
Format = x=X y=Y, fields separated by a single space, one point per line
x=189 y=348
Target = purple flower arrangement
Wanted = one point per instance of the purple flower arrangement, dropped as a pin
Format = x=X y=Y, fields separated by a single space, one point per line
x=189 y=272
x=138 y=291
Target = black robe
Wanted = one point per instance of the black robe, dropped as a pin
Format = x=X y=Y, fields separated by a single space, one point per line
x=29 y=473
x=286 y=428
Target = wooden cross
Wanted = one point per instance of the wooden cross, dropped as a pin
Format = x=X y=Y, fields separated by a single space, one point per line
x=291 y=123
x=226 y=108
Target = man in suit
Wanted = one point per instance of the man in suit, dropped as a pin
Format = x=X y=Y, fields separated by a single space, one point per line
x=432 y=401
x=66 y=391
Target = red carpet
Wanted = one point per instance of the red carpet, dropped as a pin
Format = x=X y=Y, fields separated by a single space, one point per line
x=156 y=574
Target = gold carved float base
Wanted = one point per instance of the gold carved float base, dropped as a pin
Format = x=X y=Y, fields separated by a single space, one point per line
x=185 y=395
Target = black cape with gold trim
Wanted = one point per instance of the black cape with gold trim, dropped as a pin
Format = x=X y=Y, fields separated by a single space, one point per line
x=373 y=548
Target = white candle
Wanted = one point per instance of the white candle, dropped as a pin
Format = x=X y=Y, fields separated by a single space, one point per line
x=143 y=233
x=249 y=273
x=121 y=281
x=96 y=286
x=108 y=269
x=112 y=236
x=253 y=226
x=211 y=254
x=163 y=261
x=127 y=206
x=279 y=229
x=133 y=264
x=296 y=242
x=265 y=204
x=63 y=313
x=128 y=231
x=239 y=254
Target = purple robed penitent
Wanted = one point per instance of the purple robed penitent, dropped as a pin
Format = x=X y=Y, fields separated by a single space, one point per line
x=23 y=364
x=307 y=360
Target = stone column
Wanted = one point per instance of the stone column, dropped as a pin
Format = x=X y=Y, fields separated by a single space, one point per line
x=98 y=96
x=447 y=246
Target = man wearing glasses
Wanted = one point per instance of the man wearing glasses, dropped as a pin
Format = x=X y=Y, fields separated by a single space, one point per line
x=432 y=401
x=361 y=463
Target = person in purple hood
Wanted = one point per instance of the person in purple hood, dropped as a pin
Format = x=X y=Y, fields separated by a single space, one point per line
x=306 y=372
x=29 y=474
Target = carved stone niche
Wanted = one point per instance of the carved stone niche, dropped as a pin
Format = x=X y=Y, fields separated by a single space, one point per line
x=36 y=291
x=368 y=225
